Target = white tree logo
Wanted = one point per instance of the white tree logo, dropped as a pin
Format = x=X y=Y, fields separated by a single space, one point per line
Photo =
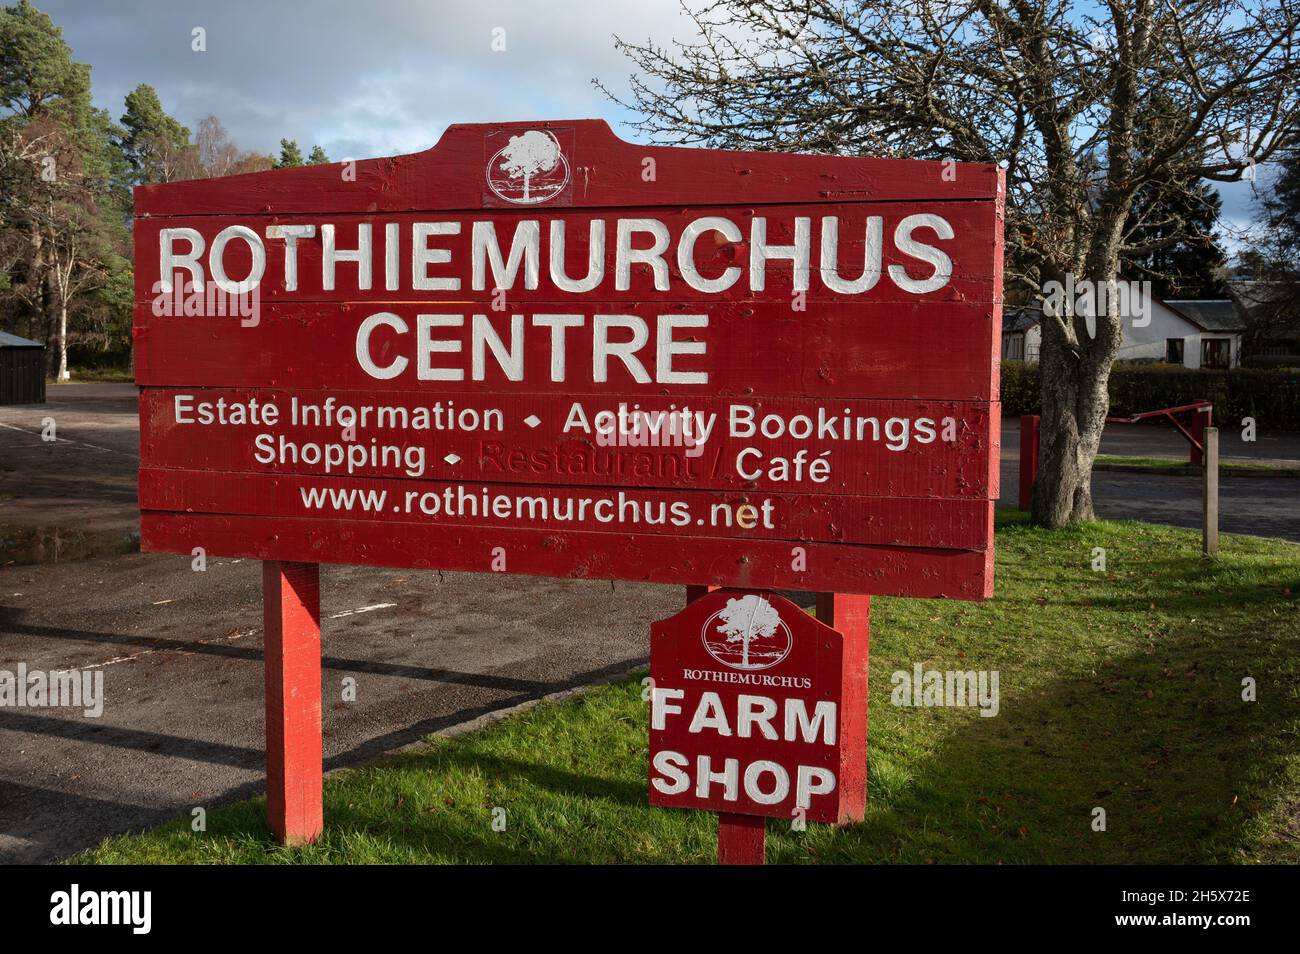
x=753 y=635
x=531 y=168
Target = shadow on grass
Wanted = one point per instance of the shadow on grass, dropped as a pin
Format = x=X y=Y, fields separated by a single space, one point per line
x=1161 y=739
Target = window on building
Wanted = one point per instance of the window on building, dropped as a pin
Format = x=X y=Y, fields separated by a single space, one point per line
x=1174 y=350
x=1013 y=347
x=1214 y=353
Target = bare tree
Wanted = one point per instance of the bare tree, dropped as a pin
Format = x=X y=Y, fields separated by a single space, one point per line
x=217 y=152
x=1084 y=104
x=70 y=248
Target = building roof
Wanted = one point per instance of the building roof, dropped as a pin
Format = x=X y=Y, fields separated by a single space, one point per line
x=1210 y=314
x=1269 y=305
x=1207 y=314
x=13 y=341
x=1252 y=293
x=1022 y=318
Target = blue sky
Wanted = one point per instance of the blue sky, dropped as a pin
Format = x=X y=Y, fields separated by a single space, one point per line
x=362 y=78
x=377 y=77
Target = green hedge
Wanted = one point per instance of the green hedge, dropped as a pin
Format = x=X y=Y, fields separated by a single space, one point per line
x=1270 y=396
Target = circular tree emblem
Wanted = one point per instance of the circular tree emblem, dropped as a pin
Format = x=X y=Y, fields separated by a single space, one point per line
x=531 y=168
x=747 y=633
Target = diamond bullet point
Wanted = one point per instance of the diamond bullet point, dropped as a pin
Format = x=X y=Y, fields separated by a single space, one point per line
x=532 y=420
x=452 y=458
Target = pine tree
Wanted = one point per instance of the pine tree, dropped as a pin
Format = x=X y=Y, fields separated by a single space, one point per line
x=154 y=143
x=290 y=155
x=37 y=72
x=1181 y=257
x=1283 y=199
x=1272 y=264
x=317 y=157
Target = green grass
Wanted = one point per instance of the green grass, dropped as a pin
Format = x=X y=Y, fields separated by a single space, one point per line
x=1119 y=689
x=1167 y=462
x=100 y=375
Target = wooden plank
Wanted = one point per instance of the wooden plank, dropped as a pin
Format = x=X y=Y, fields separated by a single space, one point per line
x=681 y=560
x=392 y=271
x=869 y=448
x=908 y=351
x=435 y=506
x=605 y=172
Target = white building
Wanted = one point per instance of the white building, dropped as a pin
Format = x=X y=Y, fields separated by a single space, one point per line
x=1203 y=333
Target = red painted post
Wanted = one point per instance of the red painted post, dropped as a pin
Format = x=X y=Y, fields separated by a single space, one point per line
x=851 y=615
x=291 y=616
x=742 y=839
x=693 y=593
x=1203 y=418
x=1028 y=459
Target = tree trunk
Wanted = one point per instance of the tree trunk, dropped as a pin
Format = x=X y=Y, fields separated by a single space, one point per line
x=63 y=340
x=1075 y=404
x=42 y=298
x=1074 y=367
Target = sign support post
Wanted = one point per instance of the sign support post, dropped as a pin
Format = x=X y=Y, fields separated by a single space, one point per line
x=742 y=839
x=1210 y=495
x=294 y=770
x=850 y=614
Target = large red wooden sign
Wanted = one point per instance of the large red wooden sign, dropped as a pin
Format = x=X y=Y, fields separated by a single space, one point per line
x=540 y=349
x=756 y=708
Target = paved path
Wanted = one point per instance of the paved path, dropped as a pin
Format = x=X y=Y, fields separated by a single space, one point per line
x=1163 y=440
x=1264 y=506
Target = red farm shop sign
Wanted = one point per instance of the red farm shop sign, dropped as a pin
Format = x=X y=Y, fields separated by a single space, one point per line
x=756 y=708
x=540 y=349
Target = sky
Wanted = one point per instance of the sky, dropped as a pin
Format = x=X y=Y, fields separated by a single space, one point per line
x=366 y=78
x=362 y=78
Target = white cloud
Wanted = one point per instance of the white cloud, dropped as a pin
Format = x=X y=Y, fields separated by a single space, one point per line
x=361 y=78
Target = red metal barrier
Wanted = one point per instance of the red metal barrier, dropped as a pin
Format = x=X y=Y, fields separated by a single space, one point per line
x=1029 y=427
x=1028 y=456
x=1204 y=417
